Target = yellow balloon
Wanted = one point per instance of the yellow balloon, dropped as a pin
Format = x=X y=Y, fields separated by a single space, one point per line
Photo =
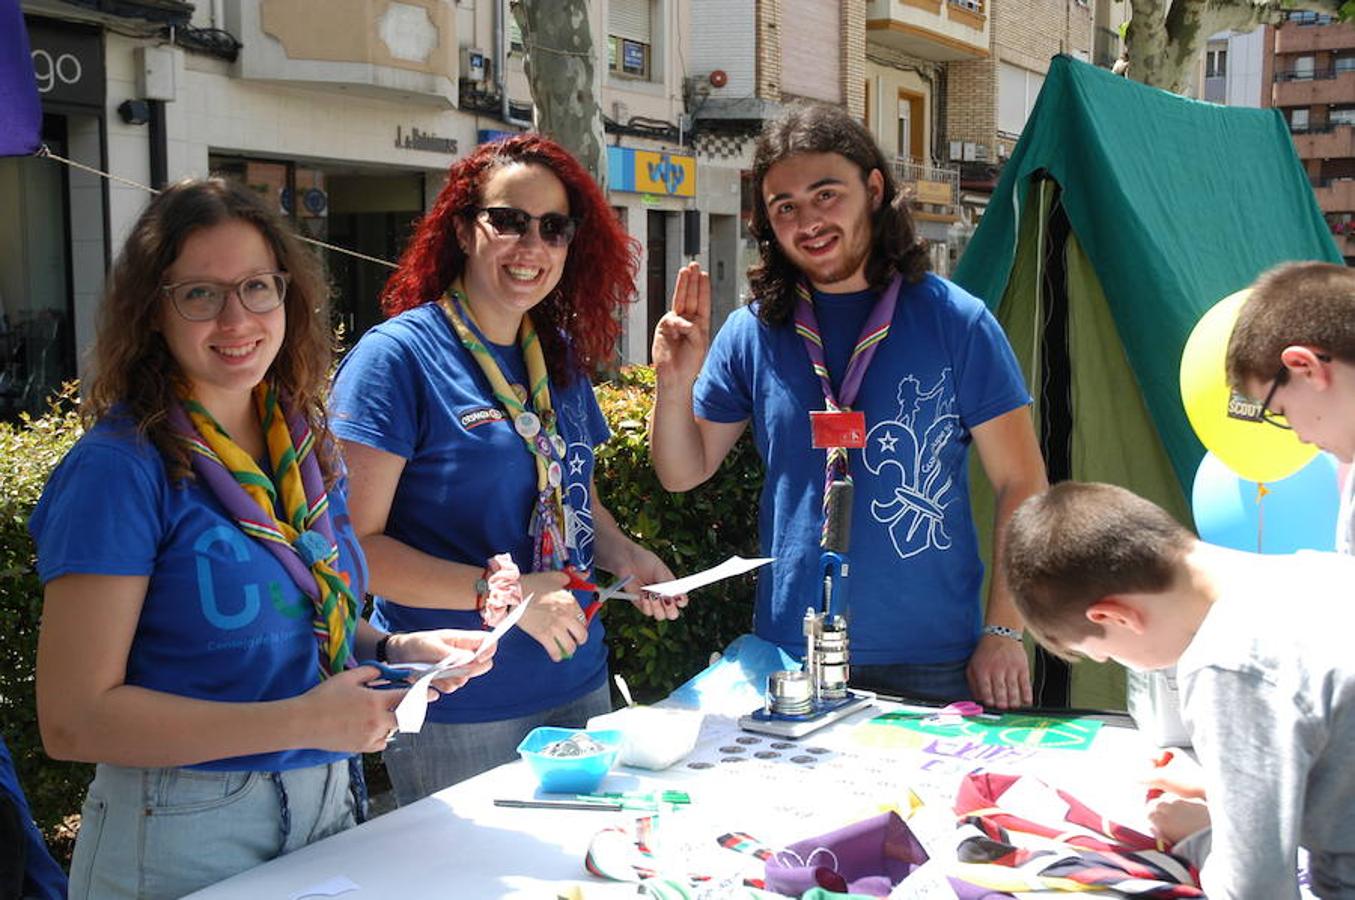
x=1254 y=450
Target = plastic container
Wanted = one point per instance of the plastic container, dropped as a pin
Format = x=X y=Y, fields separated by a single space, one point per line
x=655 y=736
x=570 y=774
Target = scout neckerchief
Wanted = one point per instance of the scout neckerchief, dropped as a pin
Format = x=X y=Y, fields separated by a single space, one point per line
x=873 y=334
x=533 y=420
x=303 y=538
x=1121 y=859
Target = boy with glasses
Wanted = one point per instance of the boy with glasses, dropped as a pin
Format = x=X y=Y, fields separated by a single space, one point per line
x=1294 y=345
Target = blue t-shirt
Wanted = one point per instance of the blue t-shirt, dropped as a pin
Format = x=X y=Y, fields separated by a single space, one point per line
x=43 y=878
x=915 y=573
x=222 y=620
x=467 y=489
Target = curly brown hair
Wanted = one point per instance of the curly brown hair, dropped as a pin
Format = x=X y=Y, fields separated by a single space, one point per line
x=820 y=128
x=134 y=371
x=578 y=322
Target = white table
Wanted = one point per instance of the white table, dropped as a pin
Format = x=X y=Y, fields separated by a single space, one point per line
x=458 y=844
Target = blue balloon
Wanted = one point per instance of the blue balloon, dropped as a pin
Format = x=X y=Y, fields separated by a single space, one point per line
x=1297 y=513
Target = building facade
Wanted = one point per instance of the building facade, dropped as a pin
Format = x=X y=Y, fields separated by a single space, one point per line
x=1309 y=72
x=350 y=130
x=989 y=98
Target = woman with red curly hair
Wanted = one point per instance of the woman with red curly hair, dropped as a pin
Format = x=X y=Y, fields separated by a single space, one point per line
x=469 y=422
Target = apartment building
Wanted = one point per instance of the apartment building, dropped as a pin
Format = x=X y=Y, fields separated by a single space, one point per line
x=1310 y=71
x=989 y=97
x=909 y=46
x=351 y=129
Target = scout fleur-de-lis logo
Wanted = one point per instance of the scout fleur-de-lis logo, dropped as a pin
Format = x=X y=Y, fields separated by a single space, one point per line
x=912 y=488
x=668 y=172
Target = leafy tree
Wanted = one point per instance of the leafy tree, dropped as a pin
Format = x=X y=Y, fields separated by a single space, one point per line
x=1165 y=37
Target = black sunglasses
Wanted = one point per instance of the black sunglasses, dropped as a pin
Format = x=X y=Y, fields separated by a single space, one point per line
x=556 y=229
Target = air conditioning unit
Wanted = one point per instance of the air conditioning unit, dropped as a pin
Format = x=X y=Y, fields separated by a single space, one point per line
x=474 y=64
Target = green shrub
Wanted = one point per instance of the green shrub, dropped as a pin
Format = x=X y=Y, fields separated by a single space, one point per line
x=690 y=531
x=29 y=450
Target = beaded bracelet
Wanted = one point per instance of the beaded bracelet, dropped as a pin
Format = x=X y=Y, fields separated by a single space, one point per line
x=1002 y=631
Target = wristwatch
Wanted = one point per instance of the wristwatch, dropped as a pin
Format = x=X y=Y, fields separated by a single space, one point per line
x=1003 y=631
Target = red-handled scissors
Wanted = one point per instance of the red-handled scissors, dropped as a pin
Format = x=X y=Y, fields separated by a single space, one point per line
x=613 y=591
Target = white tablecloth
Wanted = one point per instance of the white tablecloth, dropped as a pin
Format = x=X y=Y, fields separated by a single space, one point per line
x=458 y=844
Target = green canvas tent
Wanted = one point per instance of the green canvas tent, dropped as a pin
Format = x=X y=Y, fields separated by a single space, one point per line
x=1124 y=213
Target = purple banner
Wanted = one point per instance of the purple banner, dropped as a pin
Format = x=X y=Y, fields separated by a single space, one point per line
x=20 y=109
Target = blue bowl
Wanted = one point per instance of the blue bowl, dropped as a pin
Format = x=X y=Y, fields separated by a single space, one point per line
x=570 y=774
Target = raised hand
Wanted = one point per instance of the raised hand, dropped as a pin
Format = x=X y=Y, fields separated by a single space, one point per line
x=683 y=334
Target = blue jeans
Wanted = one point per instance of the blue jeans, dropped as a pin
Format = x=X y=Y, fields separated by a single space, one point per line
x=443 y=753
x=152 y=833
x=929 y=681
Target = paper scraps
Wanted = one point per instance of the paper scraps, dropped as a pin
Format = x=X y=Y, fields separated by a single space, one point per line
x=413 y=708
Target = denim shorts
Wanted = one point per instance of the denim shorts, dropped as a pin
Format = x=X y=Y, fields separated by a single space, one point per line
x=152 y=833
x=444 y=753
x=922 y=681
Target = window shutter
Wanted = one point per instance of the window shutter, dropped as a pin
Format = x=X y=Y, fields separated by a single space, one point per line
x=629 y=19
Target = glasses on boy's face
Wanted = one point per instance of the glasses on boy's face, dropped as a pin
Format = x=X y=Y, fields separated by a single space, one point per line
x=199 y=301
x=1281 y=379
x=555 y=229
x=1267 y=415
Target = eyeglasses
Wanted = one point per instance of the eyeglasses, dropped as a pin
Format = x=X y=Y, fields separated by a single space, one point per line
x=556 y=229
x=1267 y=416
x=1280 y=380
x=199 y=301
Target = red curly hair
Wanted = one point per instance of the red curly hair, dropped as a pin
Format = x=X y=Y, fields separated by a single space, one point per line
x=578 y=322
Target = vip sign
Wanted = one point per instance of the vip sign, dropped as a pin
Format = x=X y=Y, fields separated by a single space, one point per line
x=665 y=173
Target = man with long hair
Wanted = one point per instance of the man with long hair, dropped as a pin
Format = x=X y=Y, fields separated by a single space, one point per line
x=845 y=321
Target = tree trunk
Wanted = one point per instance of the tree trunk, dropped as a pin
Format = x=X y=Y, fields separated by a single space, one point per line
x=1165 y=37
x=566 y=82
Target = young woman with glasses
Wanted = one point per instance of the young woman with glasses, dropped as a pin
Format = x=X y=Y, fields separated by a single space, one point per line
x=468 y=422
x=200 y=630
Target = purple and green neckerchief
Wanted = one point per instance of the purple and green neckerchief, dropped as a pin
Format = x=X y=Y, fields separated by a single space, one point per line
x=873 y=334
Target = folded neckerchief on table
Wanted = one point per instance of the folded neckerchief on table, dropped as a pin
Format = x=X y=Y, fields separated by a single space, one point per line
x=633 y=854
x=1081 y=851
x=868 y=857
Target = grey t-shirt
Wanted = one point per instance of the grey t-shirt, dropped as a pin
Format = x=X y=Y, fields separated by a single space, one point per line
x=1268 y=694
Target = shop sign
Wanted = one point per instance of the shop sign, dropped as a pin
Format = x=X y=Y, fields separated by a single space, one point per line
x=416 y=139
x=651 y=172
x=68 y=63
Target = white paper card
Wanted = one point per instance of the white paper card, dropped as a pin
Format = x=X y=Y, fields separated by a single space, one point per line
x=409 y=715
x=735 y=565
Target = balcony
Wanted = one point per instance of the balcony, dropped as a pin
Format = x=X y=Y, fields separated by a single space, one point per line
x=1295 y=38
x=933 y=191
x=938 y=30
x=1316 y=88
x=1336 y=196
x=1325 y=142
x=391 y=47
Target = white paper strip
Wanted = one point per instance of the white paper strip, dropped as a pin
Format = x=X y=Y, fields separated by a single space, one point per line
x=409 y=715
x=735 y=565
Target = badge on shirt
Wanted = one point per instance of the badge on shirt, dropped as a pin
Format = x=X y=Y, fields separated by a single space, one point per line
x=838 y=429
